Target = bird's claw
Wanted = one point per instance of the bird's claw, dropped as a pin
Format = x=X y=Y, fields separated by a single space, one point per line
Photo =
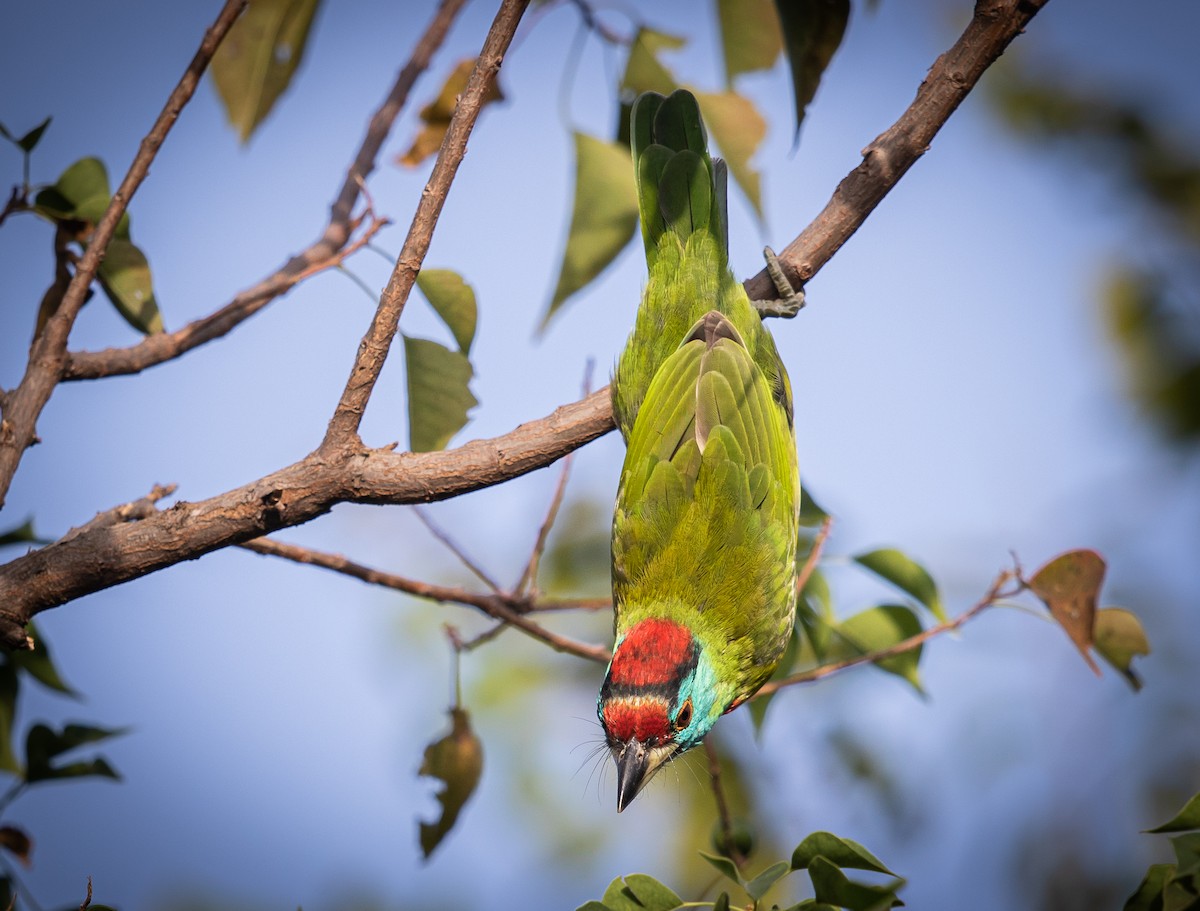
x=790 y=300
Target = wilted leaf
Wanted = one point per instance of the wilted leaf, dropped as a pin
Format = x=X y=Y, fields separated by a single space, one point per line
x=832 y=886
x=255 y=63
x=1149 y=894
x=43 y=745
x=879 y=628
x=1185 y=820
x=757 y=887
x=750 y=36
x=125 y=277
x=22 y=534
x=27 y=142
x=37 y=663
x=812 y=33
x=1119 y=638
x=603 y=218
x=1069 y=585
x=906 y=574
x=17 y=843
x=454 y=301
x=840 y=851
x=438 y=395
x=435 y=116
x=738 y=129
x=457 y=759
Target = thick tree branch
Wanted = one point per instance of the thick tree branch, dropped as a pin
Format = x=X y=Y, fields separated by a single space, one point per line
x=48 y=358
x=94 y=560
x=328 y=250
x=374 y=348
x=951 y=78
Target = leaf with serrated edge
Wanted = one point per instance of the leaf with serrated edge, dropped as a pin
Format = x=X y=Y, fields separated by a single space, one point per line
x=1069 y=585
x=439 y=399
x=258 y=58
x=1185 y=820
x=738 y=130
x=750 y=36
x=453 y=300
x=457 y=760
x=1118 y=638
x=906 y=574
x=603 y=217
x=124 y=275
x=812 y=33
x=841 y=851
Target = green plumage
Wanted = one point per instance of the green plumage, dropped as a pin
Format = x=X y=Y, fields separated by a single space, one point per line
x=704 y=532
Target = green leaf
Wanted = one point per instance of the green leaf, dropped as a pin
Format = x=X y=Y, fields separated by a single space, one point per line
x=757 y=887
x=438 y=395
x=644 y=73
x=1118 y=637
x=722 y=902
x=1069 y=585
x=457 y=759
x=593 y=905
x=9 y=687
x=831 y=886
x=435 y=116
x=1185 y=820
x=27 y=142
x=812 y=33
x=255 y=63
x=906 y=574
x=650 y=893
x=840 y=851
x=21 y=534
x=37 y=663
x=724 y=866
x=882 y=627
x=738 y=129
x=453 y=300
x=82 y=180
x=1149 y=893
x=750 y=36
x=811 y=513
x=43 y=744
x=125 y=277
x=92 y=210
x=603 y=217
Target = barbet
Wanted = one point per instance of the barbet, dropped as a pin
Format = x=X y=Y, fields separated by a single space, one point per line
x=704 y=531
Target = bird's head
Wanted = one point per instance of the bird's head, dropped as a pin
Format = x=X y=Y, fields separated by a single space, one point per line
x=658 y=700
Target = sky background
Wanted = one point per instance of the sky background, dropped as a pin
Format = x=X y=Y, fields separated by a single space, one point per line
x=956 y=396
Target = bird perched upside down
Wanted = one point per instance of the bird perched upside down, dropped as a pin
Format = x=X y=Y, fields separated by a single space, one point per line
x=704 y=531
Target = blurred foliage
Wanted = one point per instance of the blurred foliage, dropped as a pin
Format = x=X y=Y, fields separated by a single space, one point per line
x=1174 y=887
x=1149 y=298
x=435 y=116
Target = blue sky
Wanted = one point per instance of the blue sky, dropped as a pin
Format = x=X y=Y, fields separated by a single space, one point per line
x=956 y=396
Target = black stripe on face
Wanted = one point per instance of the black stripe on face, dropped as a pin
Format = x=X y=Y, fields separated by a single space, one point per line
x=666 y=689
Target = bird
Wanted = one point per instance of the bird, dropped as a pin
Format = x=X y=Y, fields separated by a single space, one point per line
x=705 y=521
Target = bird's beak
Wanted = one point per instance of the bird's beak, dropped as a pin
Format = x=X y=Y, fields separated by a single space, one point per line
x=636 y=765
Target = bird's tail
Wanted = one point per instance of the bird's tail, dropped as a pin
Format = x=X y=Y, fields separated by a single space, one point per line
x=681 y=189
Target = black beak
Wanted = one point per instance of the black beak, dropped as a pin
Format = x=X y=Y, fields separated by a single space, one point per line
x=632 y=763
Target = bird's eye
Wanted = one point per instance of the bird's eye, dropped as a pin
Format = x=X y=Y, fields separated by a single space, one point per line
x=684 y=716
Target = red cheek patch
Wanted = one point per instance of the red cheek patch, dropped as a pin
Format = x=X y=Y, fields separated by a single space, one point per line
x=650 y=654
x=636 y=718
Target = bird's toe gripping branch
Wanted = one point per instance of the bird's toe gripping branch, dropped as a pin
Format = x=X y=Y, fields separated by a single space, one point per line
x=790 y=300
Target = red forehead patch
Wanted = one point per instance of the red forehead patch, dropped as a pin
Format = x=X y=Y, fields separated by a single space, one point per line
x=636 y=717
x=650 y=653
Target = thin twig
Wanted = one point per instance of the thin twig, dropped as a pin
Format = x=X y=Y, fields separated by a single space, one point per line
x=496 y=606
x=994 y=594
x=374 y=348
x=528 y=580
x=814 y=553
x=723 y=817
x=442 y=535
x=128 y=512
x=48 y=358
x=321 y=254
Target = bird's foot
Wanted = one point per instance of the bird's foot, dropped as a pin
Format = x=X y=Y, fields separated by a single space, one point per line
x=790 y=300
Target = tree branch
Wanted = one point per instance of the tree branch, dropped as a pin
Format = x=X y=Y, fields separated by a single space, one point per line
x=328 y=250
x=48 y=358
x=374 y=348
x=951 y=78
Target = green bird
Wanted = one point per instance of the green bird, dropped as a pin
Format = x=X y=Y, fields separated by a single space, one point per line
x=704 y=530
